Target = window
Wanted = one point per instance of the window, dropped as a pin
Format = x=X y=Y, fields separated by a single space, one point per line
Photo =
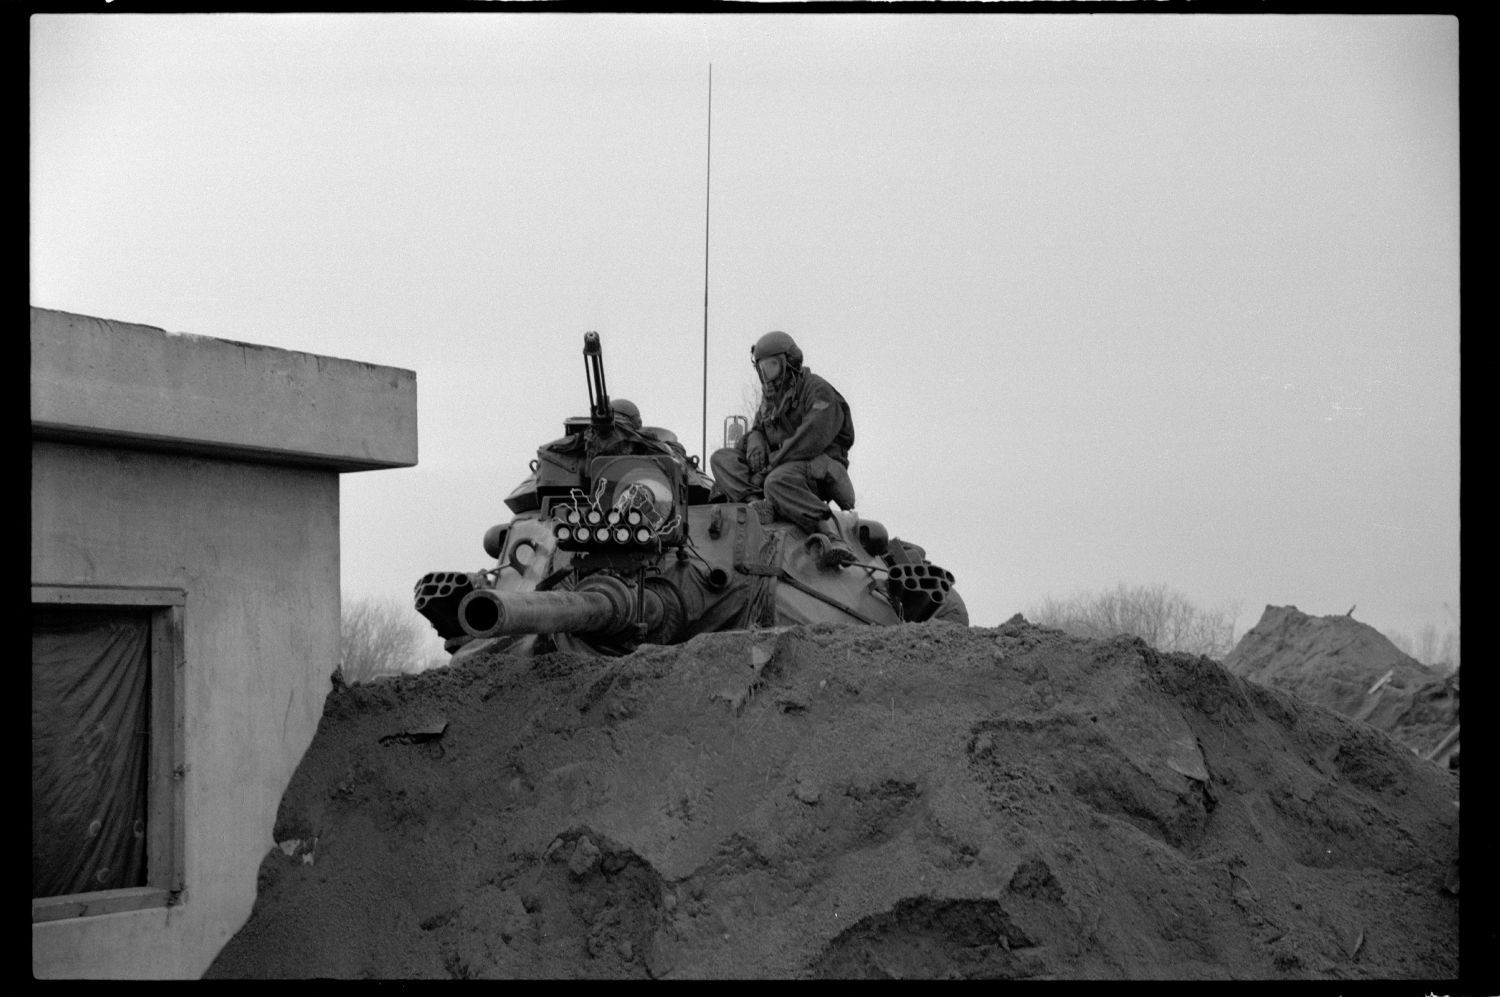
x=106 y=749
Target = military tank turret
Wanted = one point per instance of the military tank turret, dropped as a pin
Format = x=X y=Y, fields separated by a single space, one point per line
x=614 y=543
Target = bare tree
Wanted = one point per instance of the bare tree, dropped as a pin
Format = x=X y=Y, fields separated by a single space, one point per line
x=1434 y=648
x=378 y=637
x=1427 y=643
x=750 y=396
x=1161 y=617
x=1448 y=651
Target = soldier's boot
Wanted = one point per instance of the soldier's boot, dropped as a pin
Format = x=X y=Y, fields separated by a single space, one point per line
x=836 y=553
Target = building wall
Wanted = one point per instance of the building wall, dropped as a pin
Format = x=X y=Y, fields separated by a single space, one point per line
x=256 y=550
x=176 y=461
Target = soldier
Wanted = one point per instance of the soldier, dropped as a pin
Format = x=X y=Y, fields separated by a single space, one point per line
x=624 y=436
x=631 y=437
x=627 y=412
x=795 y=457
x=642 y=439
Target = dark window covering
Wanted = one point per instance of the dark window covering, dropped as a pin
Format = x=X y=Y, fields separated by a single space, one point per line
x=90 y=745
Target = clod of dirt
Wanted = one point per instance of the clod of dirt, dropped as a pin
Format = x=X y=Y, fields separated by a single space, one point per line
x=919 y=801
x=1350 y=668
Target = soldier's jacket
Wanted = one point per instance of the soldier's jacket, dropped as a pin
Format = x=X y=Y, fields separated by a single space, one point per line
x=809 y=418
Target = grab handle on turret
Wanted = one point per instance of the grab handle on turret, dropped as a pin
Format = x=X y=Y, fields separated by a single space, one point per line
x=601 y=413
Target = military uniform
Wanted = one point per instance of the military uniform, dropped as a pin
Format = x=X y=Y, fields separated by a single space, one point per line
x=805 y=428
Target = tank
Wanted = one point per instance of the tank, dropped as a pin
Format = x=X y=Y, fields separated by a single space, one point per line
x=614 y=543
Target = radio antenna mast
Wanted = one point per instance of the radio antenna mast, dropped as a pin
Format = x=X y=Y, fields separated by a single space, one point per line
x=707 y=190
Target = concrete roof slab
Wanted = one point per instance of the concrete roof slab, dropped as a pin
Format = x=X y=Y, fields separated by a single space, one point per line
x=115 y=383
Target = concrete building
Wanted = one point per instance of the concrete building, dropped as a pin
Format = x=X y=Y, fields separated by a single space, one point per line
x=188 y=487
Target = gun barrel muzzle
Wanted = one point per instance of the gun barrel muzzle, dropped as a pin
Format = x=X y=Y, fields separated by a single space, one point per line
x=601 y=604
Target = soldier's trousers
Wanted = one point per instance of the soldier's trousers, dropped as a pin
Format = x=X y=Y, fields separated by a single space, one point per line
x=798 y=490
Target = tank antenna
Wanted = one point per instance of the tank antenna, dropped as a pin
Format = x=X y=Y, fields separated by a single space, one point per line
x=707 y=190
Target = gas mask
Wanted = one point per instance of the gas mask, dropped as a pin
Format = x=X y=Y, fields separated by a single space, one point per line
x=770 y=371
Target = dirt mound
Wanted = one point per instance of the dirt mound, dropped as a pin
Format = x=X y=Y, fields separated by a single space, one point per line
x=1351 y=668
x=925 y=800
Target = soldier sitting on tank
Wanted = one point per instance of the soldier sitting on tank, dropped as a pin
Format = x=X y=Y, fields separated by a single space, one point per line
x=795 y=457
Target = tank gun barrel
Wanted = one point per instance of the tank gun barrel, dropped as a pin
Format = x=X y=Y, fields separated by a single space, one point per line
x=600 y=605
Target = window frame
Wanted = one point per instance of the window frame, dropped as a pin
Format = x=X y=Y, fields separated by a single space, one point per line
x=165 y=813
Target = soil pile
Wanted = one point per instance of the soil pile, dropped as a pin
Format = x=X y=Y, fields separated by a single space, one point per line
x=1351 y=668
x=925 y=800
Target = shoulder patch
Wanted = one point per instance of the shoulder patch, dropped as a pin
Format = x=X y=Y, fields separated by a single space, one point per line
x=819 y=405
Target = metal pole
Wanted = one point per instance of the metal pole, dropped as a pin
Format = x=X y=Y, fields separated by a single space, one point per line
x=707 y=190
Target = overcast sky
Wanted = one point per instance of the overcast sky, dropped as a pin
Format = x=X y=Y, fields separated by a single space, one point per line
x=1113 y=298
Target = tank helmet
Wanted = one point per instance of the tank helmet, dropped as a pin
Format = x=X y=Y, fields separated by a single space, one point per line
x=774 y=344
x=627 y=411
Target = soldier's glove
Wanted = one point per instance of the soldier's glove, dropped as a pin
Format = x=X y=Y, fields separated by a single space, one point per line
x=755 y=455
